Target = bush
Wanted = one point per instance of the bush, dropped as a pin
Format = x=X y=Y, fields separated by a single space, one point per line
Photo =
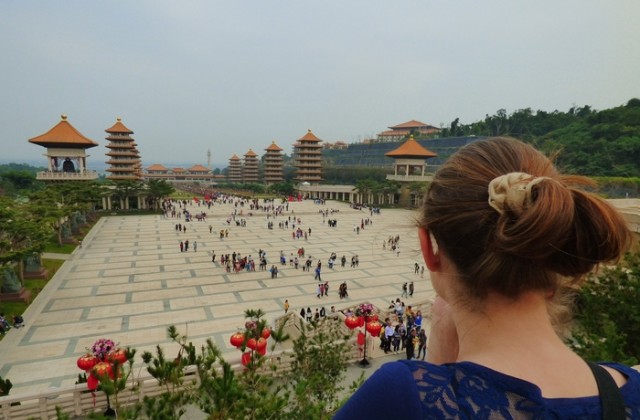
x=608 y=314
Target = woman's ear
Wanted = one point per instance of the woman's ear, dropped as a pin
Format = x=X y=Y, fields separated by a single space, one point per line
x=430 y=251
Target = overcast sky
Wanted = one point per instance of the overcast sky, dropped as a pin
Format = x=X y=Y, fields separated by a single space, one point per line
x=226 y=76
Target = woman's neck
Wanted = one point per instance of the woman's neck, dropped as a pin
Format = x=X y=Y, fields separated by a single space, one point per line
x=507 y=331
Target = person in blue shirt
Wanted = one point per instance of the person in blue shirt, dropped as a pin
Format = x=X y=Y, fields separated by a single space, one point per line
x=506 y=239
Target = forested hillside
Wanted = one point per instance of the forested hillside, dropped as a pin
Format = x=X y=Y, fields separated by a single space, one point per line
x=588 y=142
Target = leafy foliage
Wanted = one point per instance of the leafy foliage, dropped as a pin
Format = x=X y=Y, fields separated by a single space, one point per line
x=608 y=314
x=588 y=142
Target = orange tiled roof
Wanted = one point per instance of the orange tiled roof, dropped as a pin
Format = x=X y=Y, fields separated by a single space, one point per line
x=411 y=124
x=63 y=135
x=309 y=137
x=178 y=170
x=198 y=168
x=410 y=148
x=118 y=127
x=251 y=153
x=274 y=147
x=157 y=167
x=234 y=157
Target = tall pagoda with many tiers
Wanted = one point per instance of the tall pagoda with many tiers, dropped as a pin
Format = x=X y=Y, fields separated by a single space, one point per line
x=124 y=157
x=308 y=159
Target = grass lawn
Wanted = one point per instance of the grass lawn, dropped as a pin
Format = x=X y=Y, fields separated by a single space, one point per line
x=60 y=249
x=35 y=285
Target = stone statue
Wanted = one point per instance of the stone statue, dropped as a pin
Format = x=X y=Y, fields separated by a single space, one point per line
x=66 y=231
x=32 y=263
x=11 y=283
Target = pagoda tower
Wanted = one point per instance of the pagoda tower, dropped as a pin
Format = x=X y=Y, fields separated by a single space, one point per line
x=124 y=157
x=250 y=167
x=235 y=170
x=273 y=164
x=66 y=153
x=308 y=159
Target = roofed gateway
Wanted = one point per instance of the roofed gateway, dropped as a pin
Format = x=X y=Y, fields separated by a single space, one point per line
x=66 y=153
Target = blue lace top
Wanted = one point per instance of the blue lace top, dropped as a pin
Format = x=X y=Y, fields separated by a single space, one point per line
x=465 y=390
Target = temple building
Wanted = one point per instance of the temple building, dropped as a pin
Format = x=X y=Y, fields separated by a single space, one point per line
x=124 y=158
x=196 y=173
x=308 y=159
x=250 y=167
x=66 y=153
x=273 y=164
x=235 y=170
x=401 y=131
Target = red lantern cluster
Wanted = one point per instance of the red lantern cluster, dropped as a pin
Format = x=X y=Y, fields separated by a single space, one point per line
x=97 y=368
x=258 y=344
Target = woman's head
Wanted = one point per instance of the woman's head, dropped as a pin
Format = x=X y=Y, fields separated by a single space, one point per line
x=510 y=223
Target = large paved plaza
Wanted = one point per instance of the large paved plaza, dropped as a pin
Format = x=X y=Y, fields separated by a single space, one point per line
x=129 y=281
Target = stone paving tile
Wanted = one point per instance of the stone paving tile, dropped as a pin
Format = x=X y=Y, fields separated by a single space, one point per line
x=130 y=281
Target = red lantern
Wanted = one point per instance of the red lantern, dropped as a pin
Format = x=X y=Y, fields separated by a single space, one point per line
x=360 y=321
x=102 y=370
x=92 y=382
x=87 y=362
x=237 y=339
x=360 y=339
x=374 y=328
x=246 y=358
x=266 y=333
x=117 y=355
x=262 y=343
x=262 y=350
x=373 y=318
x=252 y=343
x=351 y=322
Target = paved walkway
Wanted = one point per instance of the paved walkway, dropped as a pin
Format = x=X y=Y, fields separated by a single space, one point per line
x=130 y=281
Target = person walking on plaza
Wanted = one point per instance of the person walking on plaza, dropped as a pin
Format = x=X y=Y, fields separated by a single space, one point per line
x=286 y=306
x=411 y=289
x=422 y=344
x=195 y=246
x=181 y=246
x=317 y=277
x=404 y=290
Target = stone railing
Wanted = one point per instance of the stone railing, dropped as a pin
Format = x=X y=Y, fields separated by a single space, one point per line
x=86 y=175
x=410 y=178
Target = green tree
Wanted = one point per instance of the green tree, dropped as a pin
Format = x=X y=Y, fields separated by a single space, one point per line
x=158 y=189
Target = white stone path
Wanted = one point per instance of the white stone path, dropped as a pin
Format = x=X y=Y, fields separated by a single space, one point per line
x=130 y=281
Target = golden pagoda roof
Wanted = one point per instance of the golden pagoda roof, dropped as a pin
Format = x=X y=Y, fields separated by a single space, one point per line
x=273 y=147
x=118 y=127
x=410 y=148
x=412 y=124
x=157 y=167
x=234 y=157
x=198 y=168
x=309 y=137
x=63 y=135
x=251 y=153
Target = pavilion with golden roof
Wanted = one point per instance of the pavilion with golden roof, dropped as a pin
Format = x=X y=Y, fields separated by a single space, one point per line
x=66 y=153
x=409 y=163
